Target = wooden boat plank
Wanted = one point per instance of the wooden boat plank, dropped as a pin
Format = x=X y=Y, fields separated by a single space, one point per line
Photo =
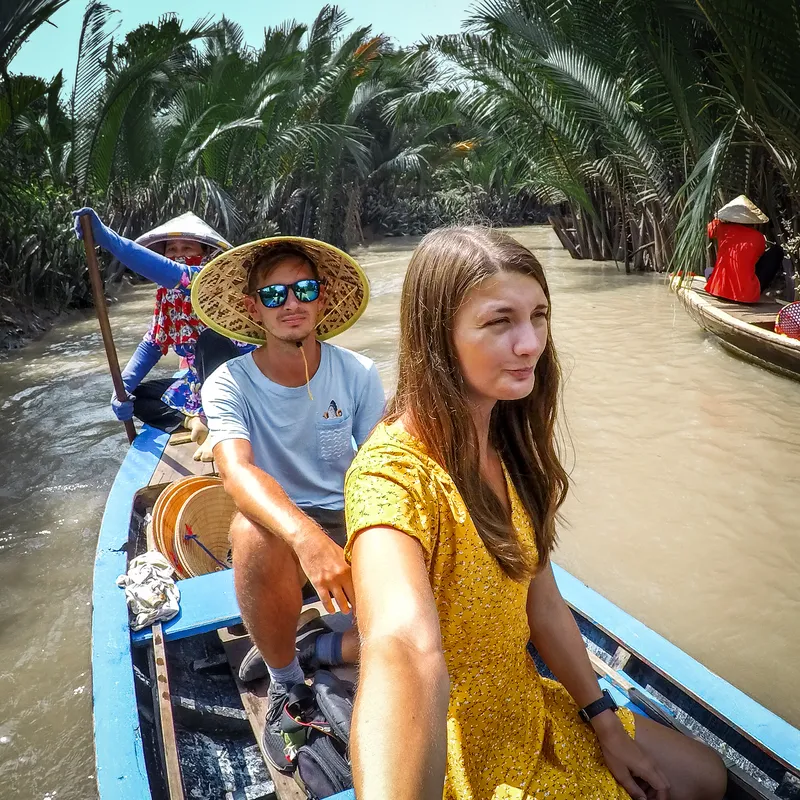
x=756 y=723
x=254 y=700
x=176 y=462
x=764 y=311
x=166 y=724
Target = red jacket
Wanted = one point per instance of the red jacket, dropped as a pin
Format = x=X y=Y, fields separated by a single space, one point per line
x=738 y=249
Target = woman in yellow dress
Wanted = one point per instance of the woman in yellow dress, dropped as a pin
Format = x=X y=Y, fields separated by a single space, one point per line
x=451 y=510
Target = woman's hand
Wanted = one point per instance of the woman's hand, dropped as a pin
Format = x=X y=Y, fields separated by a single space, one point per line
x=626 y=761
x=99 y=231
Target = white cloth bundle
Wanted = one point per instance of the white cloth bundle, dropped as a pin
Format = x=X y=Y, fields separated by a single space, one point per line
x=150 y=590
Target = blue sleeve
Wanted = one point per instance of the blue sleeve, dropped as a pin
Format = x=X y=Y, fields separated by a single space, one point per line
x=223 y=407
x=369 y=407
x=145 y=262
x=144 y=358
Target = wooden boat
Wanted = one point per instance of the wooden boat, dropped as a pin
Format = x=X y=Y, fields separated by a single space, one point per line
x=747 y=330
x=172 y=721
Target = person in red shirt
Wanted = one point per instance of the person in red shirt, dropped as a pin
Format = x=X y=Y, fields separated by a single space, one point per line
x=744 y=267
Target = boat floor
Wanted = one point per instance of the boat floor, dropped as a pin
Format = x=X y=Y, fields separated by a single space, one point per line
x=219 y=720
x=761 y=314
x=176 y=461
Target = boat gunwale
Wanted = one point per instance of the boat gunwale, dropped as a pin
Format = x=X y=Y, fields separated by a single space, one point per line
x=770 y=733
x=119 y=751
x=693 y=300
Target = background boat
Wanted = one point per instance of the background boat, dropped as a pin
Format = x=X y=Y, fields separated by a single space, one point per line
x=747 y=330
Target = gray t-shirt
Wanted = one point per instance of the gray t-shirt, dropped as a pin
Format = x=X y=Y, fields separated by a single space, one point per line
x=306 y=445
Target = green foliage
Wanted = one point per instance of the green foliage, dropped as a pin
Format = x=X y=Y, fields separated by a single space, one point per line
x=289 y=137
x=633 y=137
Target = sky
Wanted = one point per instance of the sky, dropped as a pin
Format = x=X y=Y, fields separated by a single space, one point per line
x=54 y=47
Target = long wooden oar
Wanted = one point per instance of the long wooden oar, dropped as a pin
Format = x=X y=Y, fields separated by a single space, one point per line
x=102 y=317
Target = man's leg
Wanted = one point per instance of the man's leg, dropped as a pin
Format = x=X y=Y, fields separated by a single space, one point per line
x=267 y=581
x=255 y=582
x=339 y=648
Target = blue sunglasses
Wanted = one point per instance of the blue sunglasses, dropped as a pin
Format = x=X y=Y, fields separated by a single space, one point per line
x=276 y=294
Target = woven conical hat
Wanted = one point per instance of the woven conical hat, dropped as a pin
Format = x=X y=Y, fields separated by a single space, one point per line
x=742 y=210
x=186 y=226
x=218 y=291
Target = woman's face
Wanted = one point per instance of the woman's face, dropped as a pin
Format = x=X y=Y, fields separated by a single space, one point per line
x=499 y=333
x=183 y=248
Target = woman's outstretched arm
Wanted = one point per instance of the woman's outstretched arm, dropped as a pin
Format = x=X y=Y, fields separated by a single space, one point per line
x=399 y=734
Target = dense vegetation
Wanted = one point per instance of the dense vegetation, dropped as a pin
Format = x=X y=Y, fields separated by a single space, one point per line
x=631 y=120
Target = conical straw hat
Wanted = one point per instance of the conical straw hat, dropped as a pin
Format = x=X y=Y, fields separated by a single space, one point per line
x=166 y=510
x=186 y=226
x=206 y=515
x=742 y=210
x=218 y=290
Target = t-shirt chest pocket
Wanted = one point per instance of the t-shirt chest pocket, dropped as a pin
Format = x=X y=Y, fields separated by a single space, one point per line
x=334 y=438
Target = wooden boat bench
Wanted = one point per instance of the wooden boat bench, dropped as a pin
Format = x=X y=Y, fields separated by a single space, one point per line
x=207 y=603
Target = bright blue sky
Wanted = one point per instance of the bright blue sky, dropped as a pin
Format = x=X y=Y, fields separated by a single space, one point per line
x=406 y=21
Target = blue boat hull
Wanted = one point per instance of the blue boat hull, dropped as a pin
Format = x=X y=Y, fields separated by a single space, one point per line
x=642 y=669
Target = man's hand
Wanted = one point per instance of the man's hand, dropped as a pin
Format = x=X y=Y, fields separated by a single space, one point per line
x=635 y=771
x=323 y=562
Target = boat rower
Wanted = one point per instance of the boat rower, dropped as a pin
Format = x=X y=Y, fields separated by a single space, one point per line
x=744 y=267
x=170 y=255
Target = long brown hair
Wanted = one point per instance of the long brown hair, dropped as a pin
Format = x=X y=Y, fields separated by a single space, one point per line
x=431 y=392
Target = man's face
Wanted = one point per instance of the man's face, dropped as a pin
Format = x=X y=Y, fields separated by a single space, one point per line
x=294 y=321
x=183 y=249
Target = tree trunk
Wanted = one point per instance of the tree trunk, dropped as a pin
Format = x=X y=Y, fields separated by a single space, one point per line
x=557 y=224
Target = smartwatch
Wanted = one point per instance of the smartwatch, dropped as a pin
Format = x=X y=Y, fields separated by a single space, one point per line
x=598 y=706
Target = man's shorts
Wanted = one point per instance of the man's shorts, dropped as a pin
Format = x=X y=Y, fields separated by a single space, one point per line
x=331 y=521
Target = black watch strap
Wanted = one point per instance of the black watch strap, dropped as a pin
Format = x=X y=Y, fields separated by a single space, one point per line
x=598 y=706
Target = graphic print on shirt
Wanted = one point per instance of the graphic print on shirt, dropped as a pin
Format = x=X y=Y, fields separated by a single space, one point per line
x=333 y=411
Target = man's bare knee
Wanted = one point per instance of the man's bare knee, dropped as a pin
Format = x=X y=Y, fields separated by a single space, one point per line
x=243 y=531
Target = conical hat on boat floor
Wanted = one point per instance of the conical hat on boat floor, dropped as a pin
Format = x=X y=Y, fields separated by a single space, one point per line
x=742 y=210
x=186 y=226
x=218 y=291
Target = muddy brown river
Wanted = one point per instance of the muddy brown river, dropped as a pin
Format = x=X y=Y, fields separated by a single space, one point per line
x=684 y=506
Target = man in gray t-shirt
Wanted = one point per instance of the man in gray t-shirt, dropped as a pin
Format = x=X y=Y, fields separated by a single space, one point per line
x=283 y=420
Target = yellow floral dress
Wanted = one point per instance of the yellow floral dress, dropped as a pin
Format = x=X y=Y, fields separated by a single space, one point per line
x=509 y=731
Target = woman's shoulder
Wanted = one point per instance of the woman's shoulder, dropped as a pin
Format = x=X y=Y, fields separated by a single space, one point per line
x=391 y=451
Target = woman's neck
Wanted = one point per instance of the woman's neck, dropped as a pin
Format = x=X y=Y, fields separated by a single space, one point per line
x=481 y=418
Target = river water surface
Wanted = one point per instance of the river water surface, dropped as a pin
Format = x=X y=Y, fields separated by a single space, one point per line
x=684 y=505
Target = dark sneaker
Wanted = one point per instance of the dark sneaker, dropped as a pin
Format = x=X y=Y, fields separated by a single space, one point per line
x=253 y=666
x=306 y=644
x=273 y=741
